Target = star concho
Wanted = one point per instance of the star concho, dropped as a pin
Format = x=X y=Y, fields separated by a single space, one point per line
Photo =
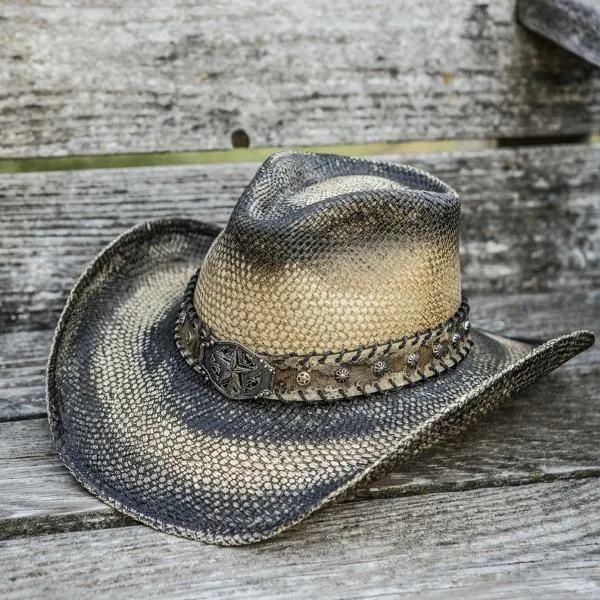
x=237 y=372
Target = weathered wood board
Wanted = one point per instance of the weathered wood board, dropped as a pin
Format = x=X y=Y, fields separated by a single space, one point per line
x=113 y=77
x=53 y=223
x=511 y=507
x=509 y=543
x=572 y=24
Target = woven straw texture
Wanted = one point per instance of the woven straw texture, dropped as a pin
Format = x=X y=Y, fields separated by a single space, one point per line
x=136 y=426
x=325 y=252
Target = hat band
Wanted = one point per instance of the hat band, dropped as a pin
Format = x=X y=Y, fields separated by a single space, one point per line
x=240 y=373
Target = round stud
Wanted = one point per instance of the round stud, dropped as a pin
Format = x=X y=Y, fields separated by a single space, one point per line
x=413 y=360
x=455 y=339
x=467 y=326
x=380 y=368
x=342 y=374
x=204 y=332
x=303 y=378
x=189 y=336
x=182 y=317
x=438 y=350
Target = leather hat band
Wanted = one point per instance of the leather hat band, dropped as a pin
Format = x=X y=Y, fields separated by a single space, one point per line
x=240 y=373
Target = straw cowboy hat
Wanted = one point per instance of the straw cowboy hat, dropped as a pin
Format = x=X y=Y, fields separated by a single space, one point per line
x=223 y=385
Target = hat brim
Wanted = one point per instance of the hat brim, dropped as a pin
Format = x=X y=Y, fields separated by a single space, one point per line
x=138 y=428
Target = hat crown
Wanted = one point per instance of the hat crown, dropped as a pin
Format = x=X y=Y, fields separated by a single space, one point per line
x=325 y=253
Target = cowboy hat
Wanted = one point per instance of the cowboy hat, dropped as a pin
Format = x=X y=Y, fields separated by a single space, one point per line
x=223 y=385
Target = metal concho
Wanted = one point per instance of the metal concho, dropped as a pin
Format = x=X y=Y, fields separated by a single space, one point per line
x=236 y=371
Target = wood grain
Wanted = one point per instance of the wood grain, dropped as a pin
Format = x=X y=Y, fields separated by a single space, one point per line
x=23 y=357
x=572 y=24
x=531 y=220
x=129 y=76
x=549 y=432
x=511 y=508
x=510 y=543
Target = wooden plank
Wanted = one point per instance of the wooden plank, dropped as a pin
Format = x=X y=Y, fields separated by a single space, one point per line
x=531 y=220
x=23 y=357
x=23 y=354
x=572 y=24
x=550 y=432
x=510 y=543
x=112 y=77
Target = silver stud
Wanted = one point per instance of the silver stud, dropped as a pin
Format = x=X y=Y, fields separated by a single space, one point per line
x=438 y=350
x=204 y=332
x=342 y=374
x=380 y=368
x=189 y=336
x=303 y=378
x=455 y=339
x=182 y=317
x=413 y=360
x=467 y=326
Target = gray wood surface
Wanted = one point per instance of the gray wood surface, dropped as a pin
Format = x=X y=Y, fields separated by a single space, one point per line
x=531 y=220
x=511 y=507
x=572 y=24
x=110 y=77
x=517 y=542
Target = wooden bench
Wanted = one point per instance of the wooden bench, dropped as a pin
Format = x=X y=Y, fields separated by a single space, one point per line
x=510 y=508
